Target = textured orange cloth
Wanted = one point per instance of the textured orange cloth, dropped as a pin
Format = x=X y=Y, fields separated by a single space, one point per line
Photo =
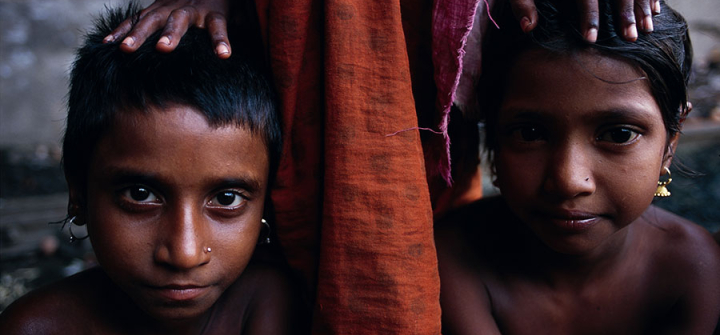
x=353 y=206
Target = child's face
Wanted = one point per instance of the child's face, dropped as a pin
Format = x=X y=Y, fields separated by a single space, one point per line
x=163 y=187
x=578 y=158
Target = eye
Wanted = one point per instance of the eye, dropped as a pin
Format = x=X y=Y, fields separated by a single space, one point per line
x=140 y=194
x=619 y=135
x=227 y=199
x=529 y=133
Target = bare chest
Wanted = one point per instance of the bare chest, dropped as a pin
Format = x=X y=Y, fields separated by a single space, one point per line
x=617 y=305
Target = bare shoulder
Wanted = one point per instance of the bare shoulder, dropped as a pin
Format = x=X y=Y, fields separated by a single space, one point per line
x=59 y=308
x=681 y=238
x=465 y=240
x=269 y=299
x=686 y=260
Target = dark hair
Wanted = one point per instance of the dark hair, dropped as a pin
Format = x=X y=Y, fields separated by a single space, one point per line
x=665 y=55
x=105 y=81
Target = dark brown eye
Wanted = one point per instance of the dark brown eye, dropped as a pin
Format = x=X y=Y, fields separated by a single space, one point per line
x=618 y=135
x=531 y=133
x=139 y=194
x=227 y=199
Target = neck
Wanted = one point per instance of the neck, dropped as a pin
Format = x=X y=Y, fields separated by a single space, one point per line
x=559 y=269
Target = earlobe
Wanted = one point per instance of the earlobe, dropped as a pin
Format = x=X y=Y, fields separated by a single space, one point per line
x=670 y=152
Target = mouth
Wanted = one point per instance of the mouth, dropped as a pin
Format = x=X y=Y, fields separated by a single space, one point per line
x=179 y=293
x=571 y=221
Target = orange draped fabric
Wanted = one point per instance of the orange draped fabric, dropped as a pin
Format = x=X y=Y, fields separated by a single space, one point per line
x=353 y=206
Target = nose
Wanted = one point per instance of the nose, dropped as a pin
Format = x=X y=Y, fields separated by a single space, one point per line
x=570 y=171
x=182 y=239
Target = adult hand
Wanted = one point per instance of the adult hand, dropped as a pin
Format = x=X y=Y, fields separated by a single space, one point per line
x=175 y=17
x=632 y=14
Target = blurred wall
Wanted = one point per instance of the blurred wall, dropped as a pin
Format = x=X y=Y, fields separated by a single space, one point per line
x=37 y=38
x=37 y=41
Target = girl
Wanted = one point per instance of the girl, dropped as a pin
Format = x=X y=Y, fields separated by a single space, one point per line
x=168 y=158
x=579 y=135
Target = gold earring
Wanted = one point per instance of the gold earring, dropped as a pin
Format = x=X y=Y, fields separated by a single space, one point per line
x=662 y=190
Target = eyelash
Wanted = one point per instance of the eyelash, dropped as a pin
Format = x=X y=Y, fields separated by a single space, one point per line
x=129 y=201
x=238 y=197
x=527 y=133
x=136 y=197
x=532 y=133
x=634 y=133
x=149 y=194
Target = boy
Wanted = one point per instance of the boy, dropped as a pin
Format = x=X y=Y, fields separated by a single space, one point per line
x=168 y=158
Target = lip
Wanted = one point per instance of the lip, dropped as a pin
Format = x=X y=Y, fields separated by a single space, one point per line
x=570 y=220
x=176 y=292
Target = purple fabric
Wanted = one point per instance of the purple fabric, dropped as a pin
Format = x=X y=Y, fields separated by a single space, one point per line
x=451 y=24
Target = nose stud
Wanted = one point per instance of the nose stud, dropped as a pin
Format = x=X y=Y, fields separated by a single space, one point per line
x=207 y=250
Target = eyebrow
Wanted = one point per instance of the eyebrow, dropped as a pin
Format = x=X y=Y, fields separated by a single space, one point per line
x=249 y=184
x=123 y=176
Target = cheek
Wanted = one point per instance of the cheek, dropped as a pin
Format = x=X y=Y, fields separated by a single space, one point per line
x=236 y=246
x=631 y=186
x=116 y=242
x=515 y=176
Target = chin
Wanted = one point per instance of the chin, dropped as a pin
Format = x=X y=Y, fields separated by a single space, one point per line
x=176 y=313
x=571 y=245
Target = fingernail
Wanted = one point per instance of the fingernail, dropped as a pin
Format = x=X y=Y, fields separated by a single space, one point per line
x=222 y=49
x=129 y=41
x=648 y=24
x=164 y=40
x=631 y=32
x=656 y=7
x=525 y=24
x=591 y=35
x=108 y=39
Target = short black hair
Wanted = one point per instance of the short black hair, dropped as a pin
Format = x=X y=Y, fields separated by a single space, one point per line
x=665 y=55
x=104 y=81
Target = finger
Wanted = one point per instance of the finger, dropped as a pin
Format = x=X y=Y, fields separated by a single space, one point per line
x=656 y=7
x=217 y=27
x=118 y=32
x=526 y=13
x=590 y=19
x=145 y=27
x=643 y=13
x=177 y=25
x=126 y=26
x=626 y=14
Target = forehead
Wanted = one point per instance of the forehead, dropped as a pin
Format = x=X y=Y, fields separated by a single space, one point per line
x=178 y=142
x=583 y=81
x=592 y=61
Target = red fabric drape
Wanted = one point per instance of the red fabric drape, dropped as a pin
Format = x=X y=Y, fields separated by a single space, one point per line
x=353 y=205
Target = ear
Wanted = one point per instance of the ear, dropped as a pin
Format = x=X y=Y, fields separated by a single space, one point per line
x=688 y=109
x=76 y=203
x=672 y=144
x=670 y=152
